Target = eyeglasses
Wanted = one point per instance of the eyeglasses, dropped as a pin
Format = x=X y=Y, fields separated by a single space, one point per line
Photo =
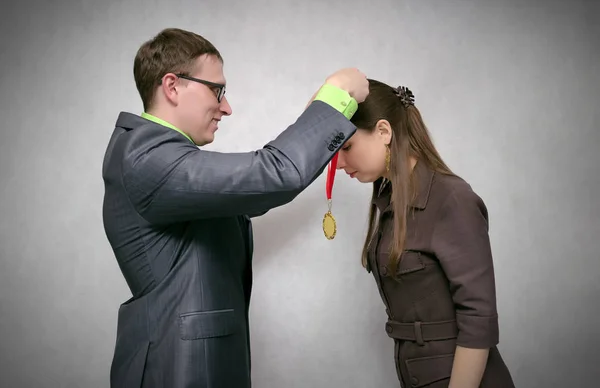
x=220 y=87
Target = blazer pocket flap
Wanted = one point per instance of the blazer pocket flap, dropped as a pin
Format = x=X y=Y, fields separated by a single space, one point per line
x=207 y=324
x=427 y=370
x=410 y=261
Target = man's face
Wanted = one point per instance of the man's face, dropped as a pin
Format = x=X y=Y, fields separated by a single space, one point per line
x=198 y=109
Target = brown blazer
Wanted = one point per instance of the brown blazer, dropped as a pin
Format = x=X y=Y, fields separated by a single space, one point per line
x=443 y=293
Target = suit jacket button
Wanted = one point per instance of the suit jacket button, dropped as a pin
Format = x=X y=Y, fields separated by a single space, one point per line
x=341 y=135
x=383 y=270
x=388 y=328
x=331 y=147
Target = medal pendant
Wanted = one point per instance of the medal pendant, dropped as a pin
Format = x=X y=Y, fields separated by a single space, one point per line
x=329 y=225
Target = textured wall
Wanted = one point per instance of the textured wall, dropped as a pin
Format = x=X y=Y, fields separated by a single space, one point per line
x=509 y=89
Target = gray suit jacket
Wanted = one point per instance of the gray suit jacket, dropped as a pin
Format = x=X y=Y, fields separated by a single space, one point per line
x=178 y=221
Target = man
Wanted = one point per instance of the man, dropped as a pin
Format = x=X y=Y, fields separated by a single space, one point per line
x=178 y=217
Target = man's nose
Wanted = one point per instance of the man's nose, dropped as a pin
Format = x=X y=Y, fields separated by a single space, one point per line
x=225 y=107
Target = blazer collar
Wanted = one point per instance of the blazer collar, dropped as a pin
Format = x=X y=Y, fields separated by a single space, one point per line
x=130 y=121
x=423 y=178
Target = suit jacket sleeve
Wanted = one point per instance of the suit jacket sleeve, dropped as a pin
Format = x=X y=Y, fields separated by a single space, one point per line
x=174 y=181
x=462 y=245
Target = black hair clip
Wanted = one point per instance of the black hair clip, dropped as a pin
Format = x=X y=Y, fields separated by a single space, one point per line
x=407 y=98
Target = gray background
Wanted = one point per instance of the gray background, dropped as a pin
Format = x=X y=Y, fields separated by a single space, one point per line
x=509 y=89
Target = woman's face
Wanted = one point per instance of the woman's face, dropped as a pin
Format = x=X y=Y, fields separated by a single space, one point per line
x=363 y=155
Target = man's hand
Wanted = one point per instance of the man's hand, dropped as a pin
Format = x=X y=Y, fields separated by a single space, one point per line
x=351 y=80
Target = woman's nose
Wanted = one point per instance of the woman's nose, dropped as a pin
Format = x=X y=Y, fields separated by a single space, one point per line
x=341 y=163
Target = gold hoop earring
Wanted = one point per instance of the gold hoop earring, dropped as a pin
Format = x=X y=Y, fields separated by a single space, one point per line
x=387 y=158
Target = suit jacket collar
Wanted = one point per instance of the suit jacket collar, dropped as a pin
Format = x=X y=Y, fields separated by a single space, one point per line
x=130 y=121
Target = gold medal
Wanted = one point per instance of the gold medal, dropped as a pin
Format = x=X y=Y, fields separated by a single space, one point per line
x=329 y=226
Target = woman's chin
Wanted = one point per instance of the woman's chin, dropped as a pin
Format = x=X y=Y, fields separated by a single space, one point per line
x=363 y=179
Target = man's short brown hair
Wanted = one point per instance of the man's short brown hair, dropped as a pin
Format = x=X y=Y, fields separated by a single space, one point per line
x=171 y=51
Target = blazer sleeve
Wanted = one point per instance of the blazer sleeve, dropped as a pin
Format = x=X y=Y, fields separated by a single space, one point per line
x=462 y=246
x=174 y=181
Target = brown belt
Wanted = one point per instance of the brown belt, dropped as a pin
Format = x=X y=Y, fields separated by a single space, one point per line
x=421 y=332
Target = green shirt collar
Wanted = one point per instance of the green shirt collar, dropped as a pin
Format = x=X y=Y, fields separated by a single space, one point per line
x=162 y=122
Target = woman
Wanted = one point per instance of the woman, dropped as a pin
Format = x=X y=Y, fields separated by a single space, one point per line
x=428 y=248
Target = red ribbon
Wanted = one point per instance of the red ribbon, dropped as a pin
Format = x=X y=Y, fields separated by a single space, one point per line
x=331 y=175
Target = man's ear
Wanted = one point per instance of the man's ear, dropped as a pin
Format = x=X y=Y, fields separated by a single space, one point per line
x=168 y=87
x=384 y=129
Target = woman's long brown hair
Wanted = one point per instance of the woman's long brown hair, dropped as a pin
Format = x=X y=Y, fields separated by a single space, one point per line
x=410 y=137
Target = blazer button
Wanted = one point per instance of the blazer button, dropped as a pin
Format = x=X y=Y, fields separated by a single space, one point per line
x=388 y=328
x=383 y=270
x=331 y=147
x=414 y=381
x=341 y=135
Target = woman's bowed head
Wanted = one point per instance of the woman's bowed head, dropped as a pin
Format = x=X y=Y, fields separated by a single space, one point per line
x=391 y=136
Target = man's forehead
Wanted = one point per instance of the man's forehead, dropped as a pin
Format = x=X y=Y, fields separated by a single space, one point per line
x=210 y=68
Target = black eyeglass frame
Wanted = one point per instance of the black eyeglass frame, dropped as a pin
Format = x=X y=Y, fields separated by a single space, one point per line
x=220 y=87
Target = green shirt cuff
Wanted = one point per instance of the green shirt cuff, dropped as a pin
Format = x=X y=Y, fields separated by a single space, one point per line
x=338 y=99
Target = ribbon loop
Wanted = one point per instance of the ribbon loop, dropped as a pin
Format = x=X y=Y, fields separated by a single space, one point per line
x=331 y=176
